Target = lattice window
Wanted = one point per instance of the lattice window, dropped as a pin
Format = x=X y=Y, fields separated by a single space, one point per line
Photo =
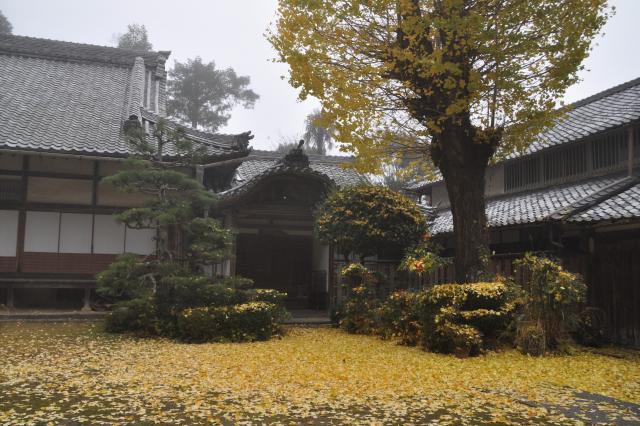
x=522 y=174
x=10 y=189
x=565 y=163
x=610 y=151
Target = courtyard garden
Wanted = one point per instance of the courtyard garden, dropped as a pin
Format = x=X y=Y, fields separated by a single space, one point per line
x=74 y=373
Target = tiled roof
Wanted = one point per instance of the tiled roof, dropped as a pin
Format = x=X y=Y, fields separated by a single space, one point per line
x=71 y=98
x=217 y=144
x=625 y=205
x=529 y=207
x=67 y=51
x=612 y=108
x=67 y=107
x=606 y=110
x=262 y=164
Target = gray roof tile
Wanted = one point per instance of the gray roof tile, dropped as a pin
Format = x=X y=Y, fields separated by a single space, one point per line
x=261 y=164
x=625 y=205
x=73 y=98
x=603 y=111
x=614 y=107
x=529 y=207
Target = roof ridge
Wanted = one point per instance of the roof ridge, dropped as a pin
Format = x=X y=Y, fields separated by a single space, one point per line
x=69 y=50
x=595 y=198
x=316 y=158
x=77 y=43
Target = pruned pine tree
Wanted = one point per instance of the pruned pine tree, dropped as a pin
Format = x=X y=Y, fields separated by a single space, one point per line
x=176 y=205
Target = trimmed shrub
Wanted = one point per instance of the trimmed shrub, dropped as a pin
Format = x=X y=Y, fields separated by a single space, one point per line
x=399 y=316
x=460 y=339
x=238 y=323
x=136 y=315
x=125 y=279
x=465 y=318
x=591 y=329
x=449 y=318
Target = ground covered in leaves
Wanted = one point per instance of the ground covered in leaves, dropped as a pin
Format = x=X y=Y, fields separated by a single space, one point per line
x=74 y=373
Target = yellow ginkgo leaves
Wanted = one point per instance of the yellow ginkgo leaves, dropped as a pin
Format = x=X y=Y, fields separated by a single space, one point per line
x=73 y=373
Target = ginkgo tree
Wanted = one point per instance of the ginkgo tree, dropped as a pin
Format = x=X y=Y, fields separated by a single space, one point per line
x=458 y=82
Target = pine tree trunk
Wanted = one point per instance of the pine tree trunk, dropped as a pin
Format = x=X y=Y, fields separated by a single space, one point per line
x=463 y=164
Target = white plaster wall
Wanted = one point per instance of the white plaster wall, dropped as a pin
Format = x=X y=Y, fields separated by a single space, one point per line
x=75 y=232
x=494 y=181
x=42 y=232
x=108 y=235
x=8 y=232
x=63 y=191
x=140 y=241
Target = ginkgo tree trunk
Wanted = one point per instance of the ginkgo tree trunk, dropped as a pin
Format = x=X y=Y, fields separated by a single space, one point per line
x=458 y=82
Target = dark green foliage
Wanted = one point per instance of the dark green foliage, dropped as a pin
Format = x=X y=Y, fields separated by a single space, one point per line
x=135 y=316
x=236 y=323
x=125 y=279
x=5 y=25
x=135 y=38
x=591 y=328
x=209 y=242
x=368 y=220
x=202 y=96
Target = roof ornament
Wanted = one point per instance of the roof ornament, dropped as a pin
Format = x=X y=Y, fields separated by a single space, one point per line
x=242 y=140
x=296 y=157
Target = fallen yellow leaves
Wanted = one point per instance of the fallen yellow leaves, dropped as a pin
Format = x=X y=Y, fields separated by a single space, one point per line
x=73 y=372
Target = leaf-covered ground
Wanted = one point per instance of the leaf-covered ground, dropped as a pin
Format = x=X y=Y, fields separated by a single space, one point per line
x=73 y=373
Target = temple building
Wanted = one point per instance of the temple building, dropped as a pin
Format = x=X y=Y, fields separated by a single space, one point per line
x=574 y=193
x=62 y=110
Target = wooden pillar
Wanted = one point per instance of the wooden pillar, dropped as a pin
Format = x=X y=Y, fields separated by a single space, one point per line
x=22 y=215
x=10 y=296
x=87 y=299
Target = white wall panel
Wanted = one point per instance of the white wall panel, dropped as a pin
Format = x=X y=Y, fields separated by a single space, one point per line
x=75 y=233
x=140 y=241
x=8 y=232
x=41 y=232
x=108 y=235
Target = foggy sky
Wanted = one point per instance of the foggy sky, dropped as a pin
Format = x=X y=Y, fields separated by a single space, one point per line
x=231 y=33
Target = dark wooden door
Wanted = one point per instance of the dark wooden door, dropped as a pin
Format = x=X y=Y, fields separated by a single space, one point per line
x=280 y=262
